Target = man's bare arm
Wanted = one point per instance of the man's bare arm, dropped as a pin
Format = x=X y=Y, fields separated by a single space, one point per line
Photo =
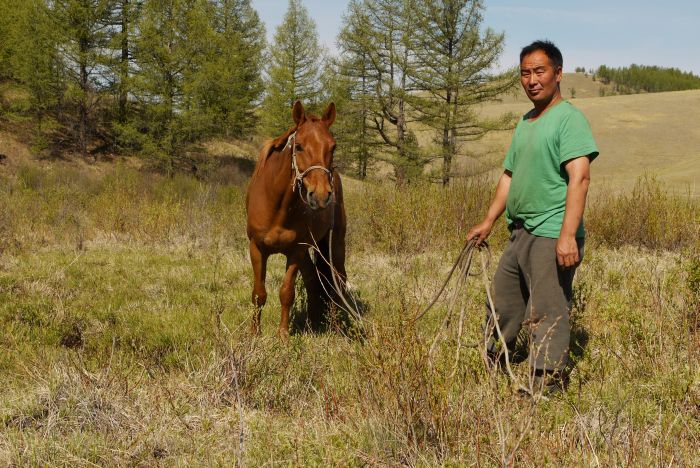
x=579 y=173
x=498 y=205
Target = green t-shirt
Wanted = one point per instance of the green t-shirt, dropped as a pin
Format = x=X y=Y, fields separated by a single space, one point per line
x=537 y=194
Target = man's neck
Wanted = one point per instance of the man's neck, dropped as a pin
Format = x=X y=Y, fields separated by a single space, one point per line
x=543 y=107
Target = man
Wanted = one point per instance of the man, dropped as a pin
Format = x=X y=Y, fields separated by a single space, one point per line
x=543 y=192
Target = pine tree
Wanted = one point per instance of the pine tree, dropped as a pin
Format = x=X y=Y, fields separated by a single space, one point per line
x=231 y=84
x=293 y=74
x=175 y=40
x=83 y=27
x=452 y=73
x=387 y=42
x=353 y=81
x=29 y=52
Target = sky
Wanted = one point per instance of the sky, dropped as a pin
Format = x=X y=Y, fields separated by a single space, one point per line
x=589 y=32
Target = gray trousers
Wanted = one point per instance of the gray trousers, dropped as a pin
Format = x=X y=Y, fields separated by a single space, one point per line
x=530 y=289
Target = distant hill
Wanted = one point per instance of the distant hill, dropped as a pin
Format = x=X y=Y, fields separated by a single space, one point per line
x=650 y=79
x=656 y=133
x=580 y=85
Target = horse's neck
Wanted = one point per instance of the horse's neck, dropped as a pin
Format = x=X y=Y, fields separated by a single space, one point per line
x=279 y=181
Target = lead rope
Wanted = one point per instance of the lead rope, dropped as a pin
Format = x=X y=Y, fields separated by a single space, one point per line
x=464 y=263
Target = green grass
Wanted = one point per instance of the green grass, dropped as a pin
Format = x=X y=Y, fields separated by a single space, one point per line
x=124 y=308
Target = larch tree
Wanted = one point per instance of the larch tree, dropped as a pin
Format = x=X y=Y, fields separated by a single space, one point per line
x=29 y=53
x=389 y=27
x=175 y=40
x=84 y=37
x=123 y=32
x=454 y=74
x=230 y=82
x=353 y=81
x=296 y=60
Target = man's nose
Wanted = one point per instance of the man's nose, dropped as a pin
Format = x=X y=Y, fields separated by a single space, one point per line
x=532 y=80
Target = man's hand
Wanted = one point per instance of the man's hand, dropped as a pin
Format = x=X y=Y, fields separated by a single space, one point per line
x=480 y=232
x=498 y=205
x=567 y=251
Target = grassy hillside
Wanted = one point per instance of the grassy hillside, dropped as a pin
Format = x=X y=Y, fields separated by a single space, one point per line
x=637 y=134
x=583 y=84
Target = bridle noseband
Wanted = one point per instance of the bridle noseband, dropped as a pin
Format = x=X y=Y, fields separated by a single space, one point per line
x=298 y=175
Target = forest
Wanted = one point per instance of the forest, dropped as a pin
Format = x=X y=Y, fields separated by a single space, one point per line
x=156 y=78
x=643 y=78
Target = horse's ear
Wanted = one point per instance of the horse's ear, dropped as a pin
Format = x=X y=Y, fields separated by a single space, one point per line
x=298 y=113
x=329 y=114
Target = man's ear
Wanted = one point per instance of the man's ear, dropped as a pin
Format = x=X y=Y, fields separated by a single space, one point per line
x=329 y=114
x=298 y=113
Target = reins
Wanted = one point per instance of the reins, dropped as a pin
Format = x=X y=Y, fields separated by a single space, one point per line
x=464 y=262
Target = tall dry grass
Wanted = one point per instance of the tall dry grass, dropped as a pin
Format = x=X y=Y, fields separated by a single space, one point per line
x=124 y=300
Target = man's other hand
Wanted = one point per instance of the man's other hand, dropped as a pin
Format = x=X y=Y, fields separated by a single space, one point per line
x=567 y=251
x=480 y=232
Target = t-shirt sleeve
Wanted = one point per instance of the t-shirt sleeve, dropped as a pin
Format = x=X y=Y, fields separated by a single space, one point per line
x=576 y=138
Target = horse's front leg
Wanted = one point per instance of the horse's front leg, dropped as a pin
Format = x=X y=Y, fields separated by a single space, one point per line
x=259 y=262
x=287 y=291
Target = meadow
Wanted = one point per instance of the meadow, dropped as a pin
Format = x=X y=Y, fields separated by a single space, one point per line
x=125 y=306
x=653 y=132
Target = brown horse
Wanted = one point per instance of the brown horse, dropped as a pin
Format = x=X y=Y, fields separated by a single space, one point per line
x=295 y=200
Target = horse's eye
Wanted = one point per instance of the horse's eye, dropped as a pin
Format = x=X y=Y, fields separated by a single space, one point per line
x=298 y=148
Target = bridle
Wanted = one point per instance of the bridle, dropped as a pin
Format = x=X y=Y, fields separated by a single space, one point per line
x=298 y=175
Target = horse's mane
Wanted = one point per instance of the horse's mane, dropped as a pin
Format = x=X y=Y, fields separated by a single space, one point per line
x=274 y=144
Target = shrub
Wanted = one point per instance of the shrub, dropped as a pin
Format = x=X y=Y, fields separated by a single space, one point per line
x=647 y=217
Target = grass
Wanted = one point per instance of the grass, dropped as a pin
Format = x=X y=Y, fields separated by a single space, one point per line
x=124 y=308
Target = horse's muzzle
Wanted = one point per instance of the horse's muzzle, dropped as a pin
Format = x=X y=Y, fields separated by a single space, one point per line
x=317 y=202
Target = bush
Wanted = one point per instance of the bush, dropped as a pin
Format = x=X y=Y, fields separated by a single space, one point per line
x=647 y=217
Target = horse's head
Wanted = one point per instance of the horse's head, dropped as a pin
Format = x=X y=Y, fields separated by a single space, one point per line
x=312 y=155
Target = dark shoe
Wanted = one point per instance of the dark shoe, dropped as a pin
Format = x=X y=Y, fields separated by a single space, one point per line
x=546 y=383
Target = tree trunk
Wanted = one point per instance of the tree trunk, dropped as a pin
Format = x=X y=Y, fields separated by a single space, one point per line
x=364 y=156
x=83 y=104
x=453 y=131
x=446 y=155
x=124 y=68
x=400 y=169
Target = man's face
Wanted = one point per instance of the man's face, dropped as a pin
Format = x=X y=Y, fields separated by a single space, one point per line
x=539 y=78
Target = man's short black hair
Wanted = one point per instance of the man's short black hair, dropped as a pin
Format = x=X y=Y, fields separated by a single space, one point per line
x=552 y=52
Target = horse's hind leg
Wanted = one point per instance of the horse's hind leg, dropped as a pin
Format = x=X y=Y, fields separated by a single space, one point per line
x=314 y=291
x=336 y=247
x=259 y=262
